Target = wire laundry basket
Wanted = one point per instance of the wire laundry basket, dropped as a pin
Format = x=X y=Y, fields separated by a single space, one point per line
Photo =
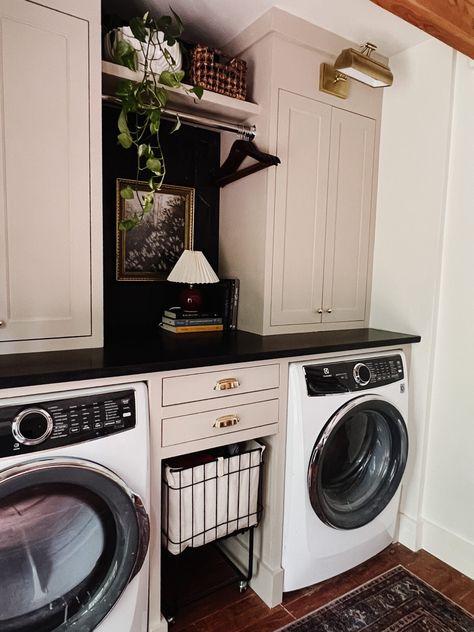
x=211 y=500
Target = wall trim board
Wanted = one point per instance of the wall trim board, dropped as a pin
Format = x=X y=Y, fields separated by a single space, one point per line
x=409 y=532
x=450 y=22
x=448 y=547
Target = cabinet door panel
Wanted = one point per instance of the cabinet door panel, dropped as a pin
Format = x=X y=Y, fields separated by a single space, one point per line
x=44 y=170
x=300 y=209
x=348 y=216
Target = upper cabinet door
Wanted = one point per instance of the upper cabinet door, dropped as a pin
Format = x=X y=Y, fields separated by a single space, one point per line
x=348 y=216
x=45 y=244
x=300 y=210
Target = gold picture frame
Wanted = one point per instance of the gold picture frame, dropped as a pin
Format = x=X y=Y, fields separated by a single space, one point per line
x=149 y=251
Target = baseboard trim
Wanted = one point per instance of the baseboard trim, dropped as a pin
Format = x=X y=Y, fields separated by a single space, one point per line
x=409 y=532
x=449 y=547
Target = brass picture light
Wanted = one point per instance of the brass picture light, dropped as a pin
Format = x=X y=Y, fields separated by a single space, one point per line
x=358 y=65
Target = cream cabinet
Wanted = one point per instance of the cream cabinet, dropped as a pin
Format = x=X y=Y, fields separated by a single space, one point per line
x=299 y=236
x=322 y=213
x=50 y=207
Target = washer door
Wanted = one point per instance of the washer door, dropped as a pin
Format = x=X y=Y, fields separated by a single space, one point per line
x=72 y=536
x=357 y=462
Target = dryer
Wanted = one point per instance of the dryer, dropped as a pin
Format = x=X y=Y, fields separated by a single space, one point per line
x=74 y=502
x=347 y=446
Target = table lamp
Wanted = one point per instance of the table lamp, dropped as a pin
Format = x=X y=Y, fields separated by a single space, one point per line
x=193 y=268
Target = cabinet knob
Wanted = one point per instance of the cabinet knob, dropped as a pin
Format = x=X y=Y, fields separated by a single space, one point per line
x=226 y=383
x=225 y=421
x=2 y=323
x=320 y=311
x=329 y=311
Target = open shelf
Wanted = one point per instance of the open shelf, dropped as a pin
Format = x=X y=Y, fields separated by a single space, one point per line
x=211 y=105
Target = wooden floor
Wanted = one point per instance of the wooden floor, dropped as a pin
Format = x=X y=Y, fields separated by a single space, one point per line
x=229 y=611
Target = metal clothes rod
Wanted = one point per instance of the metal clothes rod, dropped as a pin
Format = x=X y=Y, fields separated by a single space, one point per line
x=247 y=132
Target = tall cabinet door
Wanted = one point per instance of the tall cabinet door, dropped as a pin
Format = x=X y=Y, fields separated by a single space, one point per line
x=348 y=216
x=45 y=269
x=300 y=209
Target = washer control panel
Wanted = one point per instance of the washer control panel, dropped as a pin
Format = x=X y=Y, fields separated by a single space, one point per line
x=354 y=375
x=46 y=425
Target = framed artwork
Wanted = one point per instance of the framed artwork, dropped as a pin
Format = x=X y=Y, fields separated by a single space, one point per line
x=149 y=251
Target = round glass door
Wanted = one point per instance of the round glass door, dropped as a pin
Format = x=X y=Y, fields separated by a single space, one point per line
x=72 y=536
x=357 y=462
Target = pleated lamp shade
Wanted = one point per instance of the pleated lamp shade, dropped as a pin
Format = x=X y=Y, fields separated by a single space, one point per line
x=192 y=267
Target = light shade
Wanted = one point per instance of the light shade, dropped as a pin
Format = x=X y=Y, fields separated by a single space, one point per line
x=359 y=65
x=192 y=267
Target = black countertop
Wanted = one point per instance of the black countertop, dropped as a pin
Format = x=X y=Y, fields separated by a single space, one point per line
x=171 y=351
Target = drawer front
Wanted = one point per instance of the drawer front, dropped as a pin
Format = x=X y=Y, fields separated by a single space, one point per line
x=215 y=384
x=218 y=422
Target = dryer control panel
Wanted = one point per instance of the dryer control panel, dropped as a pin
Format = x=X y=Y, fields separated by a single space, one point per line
x=352 y=376
x=49 y=424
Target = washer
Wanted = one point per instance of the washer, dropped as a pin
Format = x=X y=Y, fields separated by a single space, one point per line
x=74 y=502
x=347 y=447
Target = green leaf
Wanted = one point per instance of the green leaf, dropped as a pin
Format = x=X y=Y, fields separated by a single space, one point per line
x=170 y=40
x=171 y=79
x=127 y=193
x=128 y=224
x=138 y=29
x=144 y=150
x=122 y=123
x=161 y=96
x=148 y=202
x=126 y=55
x=125 y=140
x=198 y=91
x=154 y=164
x=155 y=115
x=176 y=126
x=154 y=127
x=154 y=184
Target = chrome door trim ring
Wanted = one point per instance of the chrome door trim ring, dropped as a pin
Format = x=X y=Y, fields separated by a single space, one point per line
x=327 y=431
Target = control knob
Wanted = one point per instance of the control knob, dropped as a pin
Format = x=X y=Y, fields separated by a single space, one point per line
x=362 y=374
x=32 y=426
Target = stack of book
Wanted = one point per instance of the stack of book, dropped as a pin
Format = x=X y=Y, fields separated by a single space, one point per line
x=179 y=321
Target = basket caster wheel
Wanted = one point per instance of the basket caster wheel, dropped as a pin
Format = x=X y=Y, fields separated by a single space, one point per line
x=243 y=586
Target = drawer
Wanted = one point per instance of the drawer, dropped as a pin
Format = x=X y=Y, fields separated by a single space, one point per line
x=218 y=422
x=215 y=384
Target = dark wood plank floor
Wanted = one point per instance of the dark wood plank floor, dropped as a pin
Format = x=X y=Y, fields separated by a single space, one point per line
x=229 y=611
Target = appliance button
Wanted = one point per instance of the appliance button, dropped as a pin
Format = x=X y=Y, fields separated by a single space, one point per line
x=32 y=426
x=74 y=429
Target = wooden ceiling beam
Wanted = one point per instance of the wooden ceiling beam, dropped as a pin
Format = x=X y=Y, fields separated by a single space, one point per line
x=451 y=21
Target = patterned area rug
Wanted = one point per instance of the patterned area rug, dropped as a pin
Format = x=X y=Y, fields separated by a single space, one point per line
x=396 y=601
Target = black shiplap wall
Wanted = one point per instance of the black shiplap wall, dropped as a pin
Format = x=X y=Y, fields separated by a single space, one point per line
x=192 y=155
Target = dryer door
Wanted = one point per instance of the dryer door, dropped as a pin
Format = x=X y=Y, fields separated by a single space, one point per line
x=72 y=536
x=357 y=462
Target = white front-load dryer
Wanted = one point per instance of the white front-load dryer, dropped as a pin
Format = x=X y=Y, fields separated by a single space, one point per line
x=347 y=446
x=74 y=504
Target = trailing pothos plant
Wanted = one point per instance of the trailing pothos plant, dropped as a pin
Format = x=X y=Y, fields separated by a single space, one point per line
x=143 y=102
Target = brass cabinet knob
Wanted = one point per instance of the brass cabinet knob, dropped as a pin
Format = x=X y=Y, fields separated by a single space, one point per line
x=329 y=311
x=320 y=310
x=2 y=323
x=226 y=383
x=226 y=421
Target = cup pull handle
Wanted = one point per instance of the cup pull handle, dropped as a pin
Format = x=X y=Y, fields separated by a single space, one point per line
x=226 y=421
x=226 y=383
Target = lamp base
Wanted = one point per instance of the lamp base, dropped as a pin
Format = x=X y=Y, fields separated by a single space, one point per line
x=190 y=299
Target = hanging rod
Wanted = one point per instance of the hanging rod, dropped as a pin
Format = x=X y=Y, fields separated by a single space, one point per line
x=247 y=132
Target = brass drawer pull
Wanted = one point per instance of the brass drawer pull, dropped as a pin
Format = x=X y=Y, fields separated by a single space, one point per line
x=226 y=383
x=226 y=420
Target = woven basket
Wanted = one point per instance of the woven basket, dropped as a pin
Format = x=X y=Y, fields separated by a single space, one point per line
x=216 y=72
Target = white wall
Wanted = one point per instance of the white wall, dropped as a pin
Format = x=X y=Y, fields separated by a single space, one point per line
x=448 y=503
x=414 y=153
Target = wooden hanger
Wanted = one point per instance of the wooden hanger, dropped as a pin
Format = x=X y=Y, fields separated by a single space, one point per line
x=240 y=150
